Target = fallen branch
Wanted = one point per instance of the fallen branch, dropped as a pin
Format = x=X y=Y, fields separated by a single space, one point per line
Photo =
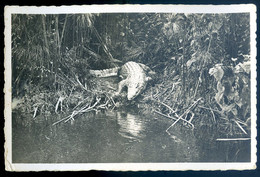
x=74 y=113
x=167 y=106
x=172 y=111
x=180 y=117
x=60 y=120
x=165 y=115
x=243 y=130
x=240 y=121
x=233 y=139
x=173 y=118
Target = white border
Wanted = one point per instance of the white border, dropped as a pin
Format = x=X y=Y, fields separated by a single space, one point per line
x=126 y=9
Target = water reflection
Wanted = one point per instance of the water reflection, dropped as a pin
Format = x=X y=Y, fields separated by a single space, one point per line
x=119 y=136
x=131 y=126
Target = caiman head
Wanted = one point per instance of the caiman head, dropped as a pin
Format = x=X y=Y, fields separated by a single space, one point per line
x=135 y=89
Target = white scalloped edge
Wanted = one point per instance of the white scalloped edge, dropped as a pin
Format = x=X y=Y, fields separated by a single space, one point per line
x=9 y=166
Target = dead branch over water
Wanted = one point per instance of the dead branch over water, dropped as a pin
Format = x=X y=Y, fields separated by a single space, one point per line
x=186 y=111
x=233 y=139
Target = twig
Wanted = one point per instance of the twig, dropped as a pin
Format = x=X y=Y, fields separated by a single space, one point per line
x=164 y=91
x=180 y=118
x=214 y=118
x=74 y=113
x=90 y=52
x=187 y=110
x=79 y=103
x=35 y=111
x=167 y=106
x=71 y=91
x=198 y=82
x=170 y=117
x=103 y=105
x=232 y=139
x=192 y=116
x=112 y=100
x=165 y=115
x=71 y=116
x=240 y=121
x=74 y=83
x=240 y=127
x=172 y=125
x=59 y=102
x=82 y=86
x=224 y=118
x=90 y=107
x=174 y=84
x=210 y=109
x=62 y=34
x=172 y=112
x=60 y=120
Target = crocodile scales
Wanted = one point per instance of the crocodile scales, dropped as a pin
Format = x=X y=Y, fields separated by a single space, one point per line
x=134 y=76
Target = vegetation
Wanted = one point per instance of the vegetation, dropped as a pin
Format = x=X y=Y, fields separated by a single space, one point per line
x=202 y=63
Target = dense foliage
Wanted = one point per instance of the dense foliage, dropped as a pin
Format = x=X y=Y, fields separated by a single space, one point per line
x=201 y=60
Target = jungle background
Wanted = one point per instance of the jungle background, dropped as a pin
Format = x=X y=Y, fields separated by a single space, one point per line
x=202 y=65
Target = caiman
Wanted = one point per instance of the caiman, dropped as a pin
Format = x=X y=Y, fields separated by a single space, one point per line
x=134 y=76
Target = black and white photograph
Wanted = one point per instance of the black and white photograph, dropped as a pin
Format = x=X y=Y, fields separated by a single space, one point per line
x=130 y=87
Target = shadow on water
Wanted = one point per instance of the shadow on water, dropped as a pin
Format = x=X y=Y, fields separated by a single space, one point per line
x=120 y=137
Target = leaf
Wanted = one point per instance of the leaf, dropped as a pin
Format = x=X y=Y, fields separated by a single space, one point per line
x=192 y=42
x=220 y=87
x=228 y=108
x=189 y=62
x=218 y=97
x=234 y=111
x=217 y=72
x=35 y=112
x=210 y=25
x=246 y=66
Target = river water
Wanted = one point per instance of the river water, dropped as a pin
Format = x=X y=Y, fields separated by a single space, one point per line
x=121 y=136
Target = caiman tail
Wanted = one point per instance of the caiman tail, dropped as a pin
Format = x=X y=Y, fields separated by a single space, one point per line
x=105 y=72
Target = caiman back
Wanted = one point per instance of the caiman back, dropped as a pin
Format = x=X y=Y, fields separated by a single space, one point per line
x=134 y=76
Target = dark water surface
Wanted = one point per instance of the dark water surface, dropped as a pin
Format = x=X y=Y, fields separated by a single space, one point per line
x=121 y=137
